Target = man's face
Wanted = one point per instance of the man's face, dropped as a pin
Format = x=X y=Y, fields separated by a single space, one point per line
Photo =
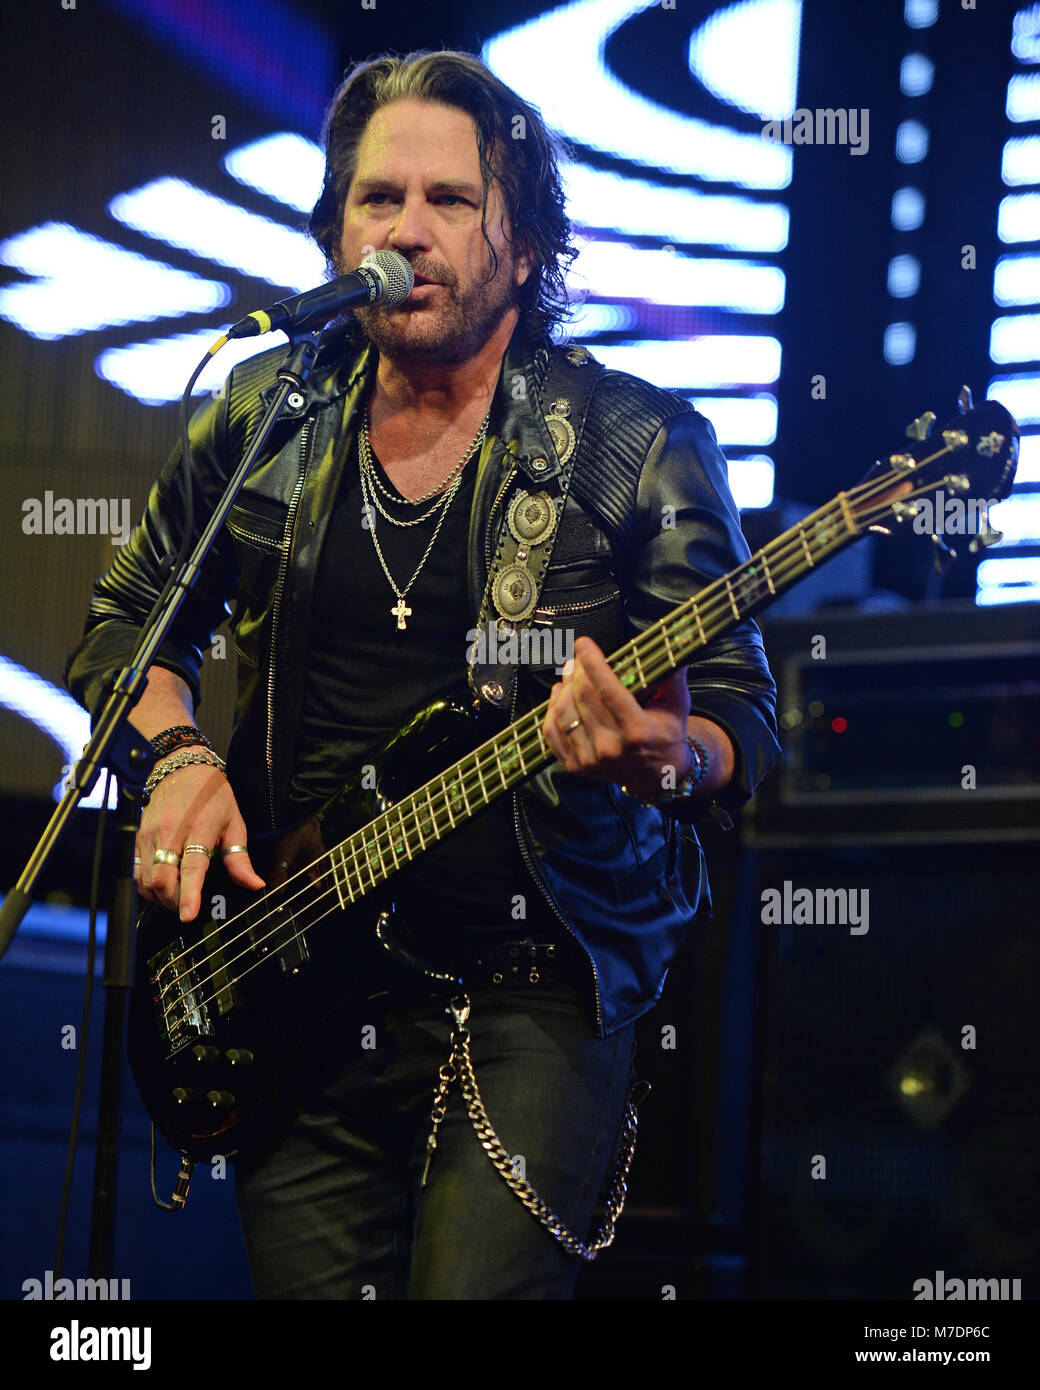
x=417 y=190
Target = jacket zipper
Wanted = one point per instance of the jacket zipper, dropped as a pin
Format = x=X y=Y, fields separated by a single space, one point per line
x=264 y=542
x=283 y=568
x=491 y=514
x=585 y=607
x=540 y=883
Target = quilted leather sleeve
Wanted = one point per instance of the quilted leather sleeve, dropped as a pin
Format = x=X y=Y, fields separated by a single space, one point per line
x=686 y=533
x=124 y=595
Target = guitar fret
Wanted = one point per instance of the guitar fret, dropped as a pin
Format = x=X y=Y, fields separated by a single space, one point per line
x=480 y=777
x=733 y=602
x=498 y=764
x=765 y=567
x=639 y=665
x=700 y=625
x=846 y=513
x=404 y=831
x=390 y=845
x=520 y=752
x=340 y=876
x=357 y=867
x=414 y=811
x=805 y=546
x=668 y=645
x=379 y=851
x=433 y=814
x=447 y=802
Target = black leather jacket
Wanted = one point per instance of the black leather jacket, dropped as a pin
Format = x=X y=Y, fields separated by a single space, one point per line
x=649 y=520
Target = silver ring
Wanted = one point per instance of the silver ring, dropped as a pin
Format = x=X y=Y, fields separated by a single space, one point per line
x=571 y=727
x=233 y=849
x=197 y=849
x=136 y=861
x=165 y=856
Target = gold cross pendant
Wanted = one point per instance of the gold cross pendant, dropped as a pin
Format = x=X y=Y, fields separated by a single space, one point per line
x=400 y=612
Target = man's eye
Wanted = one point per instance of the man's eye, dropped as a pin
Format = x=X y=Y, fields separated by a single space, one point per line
x=376 y=197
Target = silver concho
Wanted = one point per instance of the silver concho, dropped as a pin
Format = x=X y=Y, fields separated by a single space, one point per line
x=513 y=593
x=531 y=517
x=578 y=356
x=560 y=428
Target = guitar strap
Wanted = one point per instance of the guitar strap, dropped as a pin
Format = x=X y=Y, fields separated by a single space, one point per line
x=532 y=521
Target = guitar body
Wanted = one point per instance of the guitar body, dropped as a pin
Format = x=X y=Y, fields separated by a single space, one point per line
x=222 y=1005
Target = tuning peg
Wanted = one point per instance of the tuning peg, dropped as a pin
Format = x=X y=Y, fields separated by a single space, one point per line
x=964 y=401
x=922 y=426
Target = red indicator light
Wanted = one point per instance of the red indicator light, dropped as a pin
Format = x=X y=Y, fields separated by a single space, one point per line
x=839 y=725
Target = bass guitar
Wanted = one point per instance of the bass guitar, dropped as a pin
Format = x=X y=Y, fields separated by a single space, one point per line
x=220 y=1005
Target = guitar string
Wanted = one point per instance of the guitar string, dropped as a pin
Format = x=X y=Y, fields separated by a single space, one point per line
x=439 y=826
x=440 y=823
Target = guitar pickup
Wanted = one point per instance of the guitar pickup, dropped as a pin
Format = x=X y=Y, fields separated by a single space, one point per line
x=181 y=1008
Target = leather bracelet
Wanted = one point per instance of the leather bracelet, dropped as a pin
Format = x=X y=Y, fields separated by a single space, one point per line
x=186 y=758
x=696 y=775
x=178 y=736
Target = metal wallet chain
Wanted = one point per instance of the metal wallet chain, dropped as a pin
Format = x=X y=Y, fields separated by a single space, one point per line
x=459 y=1067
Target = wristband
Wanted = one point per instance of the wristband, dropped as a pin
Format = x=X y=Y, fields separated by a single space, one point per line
x=179 y=736
x=696 y=775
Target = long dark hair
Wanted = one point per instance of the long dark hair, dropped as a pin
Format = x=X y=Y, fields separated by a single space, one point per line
x=515 y=146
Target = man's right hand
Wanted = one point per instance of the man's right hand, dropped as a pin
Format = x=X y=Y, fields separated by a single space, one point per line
x=193 y=805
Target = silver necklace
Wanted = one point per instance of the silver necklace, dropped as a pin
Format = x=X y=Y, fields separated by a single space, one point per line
x=369 y=471
x=400 y=609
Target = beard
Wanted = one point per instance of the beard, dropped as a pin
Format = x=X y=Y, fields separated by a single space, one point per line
x=452 y=327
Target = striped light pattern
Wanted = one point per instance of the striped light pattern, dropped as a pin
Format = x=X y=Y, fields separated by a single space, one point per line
x=1010 y=573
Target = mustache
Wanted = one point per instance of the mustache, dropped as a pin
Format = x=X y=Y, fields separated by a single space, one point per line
x=439 y=274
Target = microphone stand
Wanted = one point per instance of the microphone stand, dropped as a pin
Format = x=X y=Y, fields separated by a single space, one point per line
x=115 y=743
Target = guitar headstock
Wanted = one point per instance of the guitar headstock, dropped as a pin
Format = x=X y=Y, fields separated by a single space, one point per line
x=942 y=482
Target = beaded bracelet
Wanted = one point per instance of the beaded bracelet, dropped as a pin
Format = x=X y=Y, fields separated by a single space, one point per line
x=696 y=775
x=179 y=736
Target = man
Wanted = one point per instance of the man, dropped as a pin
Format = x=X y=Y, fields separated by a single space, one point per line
x=381 y=534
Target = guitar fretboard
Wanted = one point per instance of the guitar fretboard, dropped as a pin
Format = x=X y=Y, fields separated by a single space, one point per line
x=371 y=855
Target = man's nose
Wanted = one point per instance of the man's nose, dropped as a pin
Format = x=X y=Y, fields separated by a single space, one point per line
x=411 y=229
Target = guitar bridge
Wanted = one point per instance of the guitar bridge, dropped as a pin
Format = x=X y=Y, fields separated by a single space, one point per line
x=181 y=1012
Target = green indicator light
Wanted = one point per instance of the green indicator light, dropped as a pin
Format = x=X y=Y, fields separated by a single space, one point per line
x=628 y=678
x=955 y=720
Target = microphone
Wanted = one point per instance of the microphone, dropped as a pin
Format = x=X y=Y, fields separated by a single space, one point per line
x=383 y=277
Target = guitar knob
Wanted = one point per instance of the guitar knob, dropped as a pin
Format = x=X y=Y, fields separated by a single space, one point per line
x=239 y=1056
x=202 y=1053
x=964 y=401
x=183 y=1094
x=221 y=1100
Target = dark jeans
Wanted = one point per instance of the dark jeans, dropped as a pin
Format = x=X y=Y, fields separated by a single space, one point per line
x=331 y=1208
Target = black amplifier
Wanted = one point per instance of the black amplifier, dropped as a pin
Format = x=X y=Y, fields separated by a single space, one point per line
x=911 y=725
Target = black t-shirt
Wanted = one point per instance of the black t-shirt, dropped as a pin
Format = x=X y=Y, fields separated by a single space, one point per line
x=367 y=677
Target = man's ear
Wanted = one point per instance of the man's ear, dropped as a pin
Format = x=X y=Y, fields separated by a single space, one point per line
x=522 y=266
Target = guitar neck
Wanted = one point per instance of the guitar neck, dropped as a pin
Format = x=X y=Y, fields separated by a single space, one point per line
x=371 y=855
